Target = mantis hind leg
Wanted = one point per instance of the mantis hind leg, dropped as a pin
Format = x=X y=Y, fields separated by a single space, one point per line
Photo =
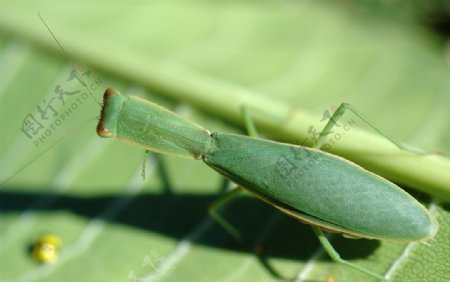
x=332 y=122
x=326 y=244
x=220 y=219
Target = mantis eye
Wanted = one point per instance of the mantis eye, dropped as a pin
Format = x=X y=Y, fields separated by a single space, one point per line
x=112 y=103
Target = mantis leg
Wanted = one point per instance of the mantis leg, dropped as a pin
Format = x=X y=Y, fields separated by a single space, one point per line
x=248 y=121
x=338 y=114
x=220 y=219
x=144 y=162
x=251 y=130
x=337 y=258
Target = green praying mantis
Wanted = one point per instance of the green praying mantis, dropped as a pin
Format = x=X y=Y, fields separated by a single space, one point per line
x=326 y=191
x=332 y=194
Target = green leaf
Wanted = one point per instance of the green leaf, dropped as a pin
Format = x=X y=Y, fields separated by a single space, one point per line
x=290 y=60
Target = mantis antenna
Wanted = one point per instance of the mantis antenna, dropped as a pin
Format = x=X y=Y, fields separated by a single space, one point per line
x=61 y=139
x=80 y=79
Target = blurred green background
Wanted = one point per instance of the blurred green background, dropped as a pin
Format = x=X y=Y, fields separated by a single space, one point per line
x=390 y=59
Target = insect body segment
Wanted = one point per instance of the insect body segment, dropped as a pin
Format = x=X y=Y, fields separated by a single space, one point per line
x=322 y=188
x=151 y=126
